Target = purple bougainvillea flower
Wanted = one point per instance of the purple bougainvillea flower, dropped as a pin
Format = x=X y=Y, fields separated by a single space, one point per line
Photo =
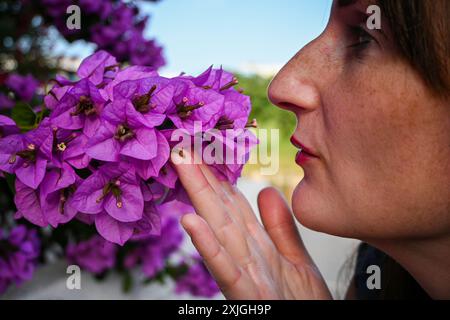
x=196 y=105
x=114 y=195
x=236 y=105
x=123 y=17
x=178 y=196
x=88 y=219
x=56 y=7
x=23 y=86
x=97 y=67
x=7 y=126
x=113 y=188
x=197 y=281
x=235 y=113
x=51 y=203
x=95 y=255
x=128 y=74
x=62 y=86
x=18 y=256
x=9 y=146
x=36 y=153
x=91 y=6
x=151 y=190
x=75 y=154
x=123 y=132
x=145 y=52
x=236 y=146
x=154 y=167
x=5 y=102
x=125 y=118
x=176 y=205
x=120 y=232
x=79 y=108
x=112 y=229
x=27 y=155
x=150 y=96
x=215 y=79
x=56 y=195
x=154 y=251
x=28 y=205
x=167 y=176
x=149 y=225
x=125 y=38
x=70 y=147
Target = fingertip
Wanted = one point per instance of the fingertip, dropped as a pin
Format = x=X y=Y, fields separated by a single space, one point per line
x=186 y=220
x=264 y=192
x=175 y=157
x=179 y=156
x=269 y=194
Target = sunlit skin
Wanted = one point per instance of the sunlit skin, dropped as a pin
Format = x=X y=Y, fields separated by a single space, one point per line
x=382 y=171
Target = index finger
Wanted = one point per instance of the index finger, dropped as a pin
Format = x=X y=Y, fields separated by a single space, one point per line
x=210 y=206
x=202 y=195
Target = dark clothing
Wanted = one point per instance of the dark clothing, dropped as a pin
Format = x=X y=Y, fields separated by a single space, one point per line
x=396 y=282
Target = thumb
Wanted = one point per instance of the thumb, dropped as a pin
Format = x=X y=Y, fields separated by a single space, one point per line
x=279 y=223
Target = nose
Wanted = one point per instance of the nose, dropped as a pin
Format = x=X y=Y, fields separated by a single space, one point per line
x=295 y=88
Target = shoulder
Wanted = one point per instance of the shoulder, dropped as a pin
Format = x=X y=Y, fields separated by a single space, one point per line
x=396 y=282
x=366 y=256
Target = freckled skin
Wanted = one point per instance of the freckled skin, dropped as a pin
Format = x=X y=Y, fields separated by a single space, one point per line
x=382 y=135
x=381 y=173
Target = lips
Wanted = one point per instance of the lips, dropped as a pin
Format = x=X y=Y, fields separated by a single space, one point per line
x=305 y=150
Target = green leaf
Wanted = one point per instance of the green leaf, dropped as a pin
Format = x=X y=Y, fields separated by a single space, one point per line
x=160 y=278
x=11 y=181
x=127 y=282
x=24 y=116
x=176 y=272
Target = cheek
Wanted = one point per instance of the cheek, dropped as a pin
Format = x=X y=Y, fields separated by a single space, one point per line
x=385 y=173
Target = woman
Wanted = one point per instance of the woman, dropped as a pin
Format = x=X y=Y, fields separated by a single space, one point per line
x=373 y=110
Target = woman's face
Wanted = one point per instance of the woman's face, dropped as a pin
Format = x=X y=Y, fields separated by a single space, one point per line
x=381 y=136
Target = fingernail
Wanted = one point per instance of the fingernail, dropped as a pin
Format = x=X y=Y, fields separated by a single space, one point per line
x=177 y=155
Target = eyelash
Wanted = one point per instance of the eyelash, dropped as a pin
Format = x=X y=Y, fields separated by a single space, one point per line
x=364 y=40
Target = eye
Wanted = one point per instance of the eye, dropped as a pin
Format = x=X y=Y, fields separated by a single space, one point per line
x=362 y=39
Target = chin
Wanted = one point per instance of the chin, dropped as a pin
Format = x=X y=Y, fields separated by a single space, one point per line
x=313 y=209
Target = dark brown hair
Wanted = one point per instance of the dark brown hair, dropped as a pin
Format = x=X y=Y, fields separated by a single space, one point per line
x=421 y=31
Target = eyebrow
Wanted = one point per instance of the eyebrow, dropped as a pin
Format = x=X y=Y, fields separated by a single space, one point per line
x=345 y=3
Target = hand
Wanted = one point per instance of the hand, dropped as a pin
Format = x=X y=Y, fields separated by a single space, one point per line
x=247 y=260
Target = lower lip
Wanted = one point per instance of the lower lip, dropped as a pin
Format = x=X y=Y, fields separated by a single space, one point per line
x=302 y=157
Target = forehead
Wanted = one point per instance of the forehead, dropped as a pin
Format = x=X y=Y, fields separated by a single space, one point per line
x=358 y=4
x=351 y=11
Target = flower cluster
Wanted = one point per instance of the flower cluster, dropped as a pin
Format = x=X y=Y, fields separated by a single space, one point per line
x=197 y=280
x=18 y=256
x=5 y=102
x=102 y=154
x=115 y=26
x=151 y=253
x=24 y=87
x=16 y=87
x=95 y=255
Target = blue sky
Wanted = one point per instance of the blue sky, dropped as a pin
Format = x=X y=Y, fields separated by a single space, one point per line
x=238 y=34
x=241 y=35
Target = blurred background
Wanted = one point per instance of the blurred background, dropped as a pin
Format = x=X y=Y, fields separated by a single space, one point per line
x=251 y=38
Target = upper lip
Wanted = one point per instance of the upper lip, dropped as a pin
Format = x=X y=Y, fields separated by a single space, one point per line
x=304 y=148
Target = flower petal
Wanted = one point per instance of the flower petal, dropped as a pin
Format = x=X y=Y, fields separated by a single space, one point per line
x=113 y=230
x=103 y=145
x=86 y=197
x=143 y=146
x=32 y=174
x=132 y=204
x=27 y=203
